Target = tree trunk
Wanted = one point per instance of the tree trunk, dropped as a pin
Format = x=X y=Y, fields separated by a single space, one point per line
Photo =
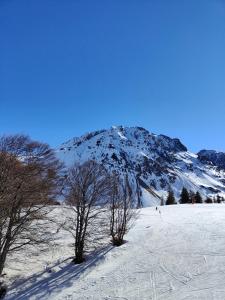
x=79 y=253
x=2 y=263
x=79 y=257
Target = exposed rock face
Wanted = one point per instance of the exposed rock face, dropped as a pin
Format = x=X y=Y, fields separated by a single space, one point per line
x=153 y=163
x=212 y=157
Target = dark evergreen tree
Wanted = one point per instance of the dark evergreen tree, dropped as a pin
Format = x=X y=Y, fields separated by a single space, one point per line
x=170 y=198
x=208 y=200
x=198 y=198
x=184 y=196
x=218 y=199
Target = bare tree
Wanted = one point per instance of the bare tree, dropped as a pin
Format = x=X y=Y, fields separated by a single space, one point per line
x=29 y=181
x=122 y=215
x=88 y=189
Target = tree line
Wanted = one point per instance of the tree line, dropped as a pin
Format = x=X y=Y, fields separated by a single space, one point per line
x=190 y=197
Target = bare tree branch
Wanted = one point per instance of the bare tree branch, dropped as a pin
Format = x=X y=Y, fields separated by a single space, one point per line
x=30 y=179
x=88 y=187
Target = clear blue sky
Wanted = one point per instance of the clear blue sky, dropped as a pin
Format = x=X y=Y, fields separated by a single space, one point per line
x=72 y=66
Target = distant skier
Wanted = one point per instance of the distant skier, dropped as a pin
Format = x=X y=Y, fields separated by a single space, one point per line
x=157 y=209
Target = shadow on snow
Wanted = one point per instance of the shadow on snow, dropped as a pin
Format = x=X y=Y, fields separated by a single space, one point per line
x=40 y=287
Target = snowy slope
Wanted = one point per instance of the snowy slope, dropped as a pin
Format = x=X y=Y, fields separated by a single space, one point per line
x=176 y=255
x=152 y=162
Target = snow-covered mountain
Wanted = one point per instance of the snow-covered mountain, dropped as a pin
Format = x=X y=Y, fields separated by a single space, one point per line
x=152 y=162
x=212 y=157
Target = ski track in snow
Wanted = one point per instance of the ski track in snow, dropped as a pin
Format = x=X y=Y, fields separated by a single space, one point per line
x=178 y=255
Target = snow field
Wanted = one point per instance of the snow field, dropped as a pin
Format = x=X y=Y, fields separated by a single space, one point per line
x=178 y=254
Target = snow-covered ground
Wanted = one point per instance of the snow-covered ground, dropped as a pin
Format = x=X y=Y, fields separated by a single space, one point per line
x=173 y=255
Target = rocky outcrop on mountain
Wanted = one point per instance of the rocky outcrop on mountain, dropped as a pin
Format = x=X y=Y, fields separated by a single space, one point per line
x=213 y=158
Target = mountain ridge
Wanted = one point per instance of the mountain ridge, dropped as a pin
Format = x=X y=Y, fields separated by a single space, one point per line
x=153 y=163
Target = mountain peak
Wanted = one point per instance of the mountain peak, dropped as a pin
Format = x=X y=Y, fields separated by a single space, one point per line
x=153 y=163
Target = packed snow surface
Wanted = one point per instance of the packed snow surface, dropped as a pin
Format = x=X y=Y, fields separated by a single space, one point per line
x=173 y=253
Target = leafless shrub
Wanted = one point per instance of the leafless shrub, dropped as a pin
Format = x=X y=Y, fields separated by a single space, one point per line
x=122 y=215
